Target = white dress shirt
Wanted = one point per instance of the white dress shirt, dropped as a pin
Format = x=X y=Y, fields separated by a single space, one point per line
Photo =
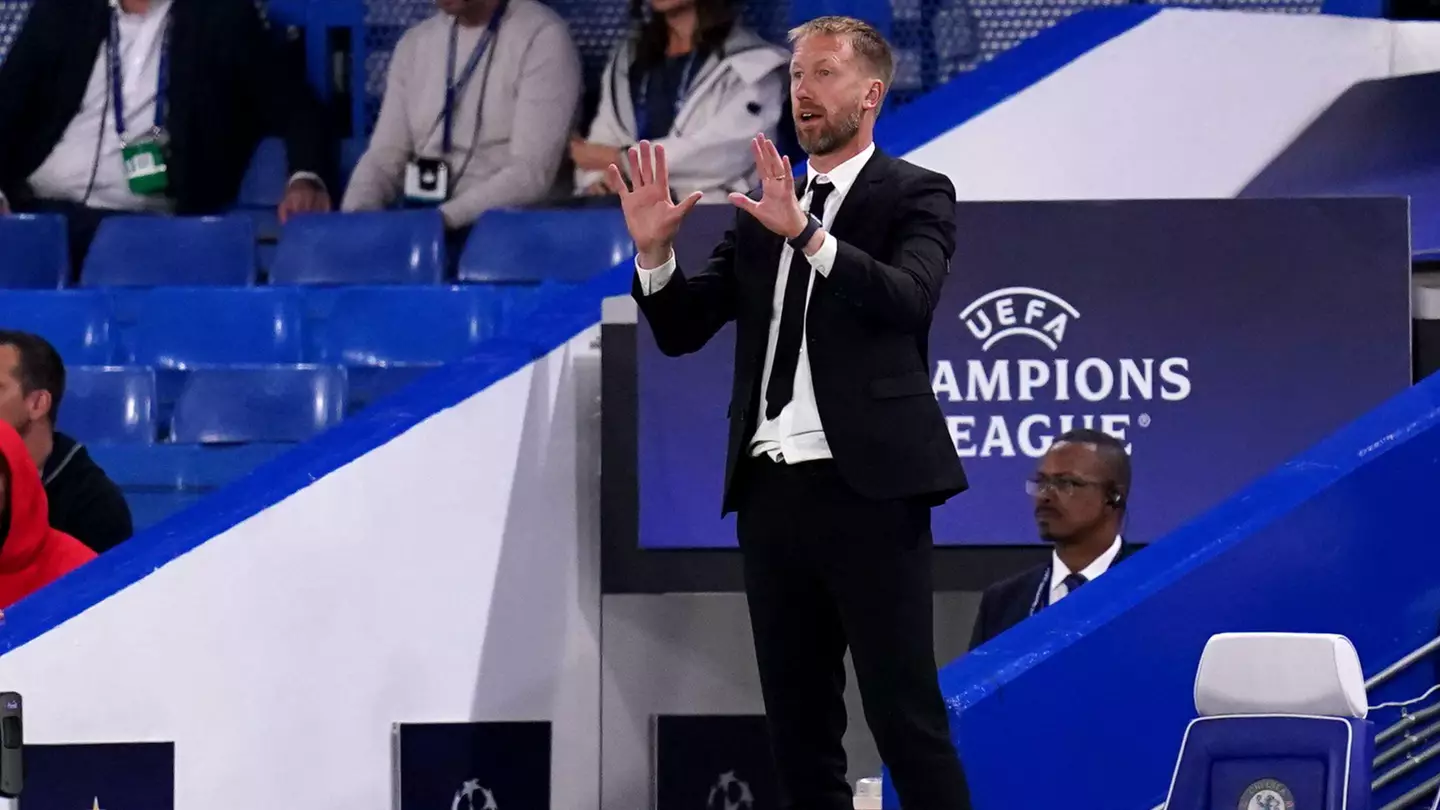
x=67 y=173
x=795 y=435
x=86 y=165
x=1059 y=571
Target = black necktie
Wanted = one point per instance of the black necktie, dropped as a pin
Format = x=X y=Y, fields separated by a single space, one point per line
x=792 y=316
x=1073 y=582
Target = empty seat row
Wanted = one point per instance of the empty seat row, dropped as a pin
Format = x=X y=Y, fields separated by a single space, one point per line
x=267 y=404
x=401 y=247
x=176 y=328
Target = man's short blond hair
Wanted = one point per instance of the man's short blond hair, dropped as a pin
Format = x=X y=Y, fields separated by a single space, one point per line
x=864 y=39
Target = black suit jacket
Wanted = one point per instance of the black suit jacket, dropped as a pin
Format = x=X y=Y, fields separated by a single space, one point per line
x=227 y=91
x=867 y=330
x=1006 y=604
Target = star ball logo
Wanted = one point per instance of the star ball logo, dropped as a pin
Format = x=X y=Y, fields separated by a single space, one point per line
x=1089 y=392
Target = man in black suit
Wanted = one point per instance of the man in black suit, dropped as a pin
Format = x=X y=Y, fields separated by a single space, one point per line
x=1080 y=491
x=202 y=79
x=837 y=447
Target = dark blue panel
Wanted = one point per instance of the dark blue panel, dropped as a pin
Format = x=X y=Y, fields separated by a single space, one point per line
x=258 y=404
x=110 y=775
x=1139 y=318
x=34 y=251
x=474 y=766
x=1380 y=137
x=109 y=404
x=142 y=251
x=714 y=762
x=391 y=247
x=540 y=245
x=177 y=328
x=79 y=323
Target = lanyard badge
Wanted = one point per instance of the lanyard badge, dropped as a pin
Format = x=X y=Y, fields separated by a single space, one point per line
x=147 y=169
x=428 y=181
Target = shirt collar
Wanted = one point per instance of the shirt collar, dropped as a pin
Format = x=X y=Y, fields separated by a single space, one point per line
x=844 y=175
x=1059 y=571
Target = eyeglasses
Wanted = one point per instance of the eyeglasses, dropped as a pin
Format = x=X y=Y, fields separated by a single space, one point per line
x=1062 y=485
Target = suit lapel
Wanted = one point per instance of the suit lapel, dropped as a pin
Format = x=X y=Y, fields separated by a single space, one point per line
x=853 y=208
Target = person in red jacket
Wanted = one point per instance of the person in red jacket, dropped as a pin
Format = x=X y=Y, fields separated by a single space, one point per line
x=32 y=555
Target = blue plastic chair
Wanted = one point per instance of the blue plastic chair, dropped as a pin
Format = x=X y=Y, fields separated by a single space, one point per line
x=180 y=328
x=267 y=176
x=145 y=251
x=509 y=246
x=258 y=404
x=176 y=329
x=78 y=323
x=390 y=336
x=1282 y=724
x=109 y=404
x=401 y=247
x=34 y=252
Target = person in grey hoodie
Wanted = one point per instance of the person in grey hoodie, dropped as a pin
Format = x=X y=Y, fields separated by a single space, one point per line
x=694 y=81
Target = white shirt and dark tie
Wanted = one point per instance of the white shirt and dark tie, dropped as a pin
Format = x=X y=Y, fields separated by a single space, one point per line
x=795 y=434
x=1063 y=581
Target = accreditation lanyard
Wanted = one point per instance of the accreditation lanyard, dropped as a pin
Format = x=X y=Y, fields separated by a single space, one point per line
x=642 y=105
x=117 y=79
x=1042 y=593
x=454 y=86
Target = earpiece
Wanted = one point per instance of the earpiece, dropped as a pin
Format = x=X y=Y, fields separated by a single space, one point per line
x=1116 y=499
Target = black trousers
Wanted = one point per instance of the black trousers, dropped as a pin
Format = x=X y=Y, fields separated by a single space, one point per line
x=826 y=569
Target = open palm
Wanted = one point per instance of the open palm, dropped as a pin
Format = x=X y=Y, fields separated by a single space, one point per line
x=652 y=217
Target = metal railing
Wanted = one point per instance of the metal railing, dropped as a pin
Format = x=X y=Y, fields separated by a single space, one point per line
x=1408 y=734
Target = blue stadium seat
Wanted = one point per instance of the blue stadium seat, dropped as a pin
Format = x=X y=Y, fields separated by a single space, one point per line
x=401 y=247
x=78 y=323
x=389 y=336
x=34 y=252
x=159 y=480
x=1282 y=724
x=109 y=404
x=258 y=404
x=179 y=328
x=144 y=251
x=540 y=245
x=267 y=176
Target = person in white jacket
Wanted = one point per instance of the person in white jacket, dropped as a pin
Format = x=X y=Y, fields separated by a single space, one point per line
x=696 y=82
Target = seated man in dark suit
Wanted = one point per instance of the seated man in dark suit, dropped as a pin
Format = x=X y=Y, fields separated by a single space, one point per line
x=149 y=106
x=1080 y=493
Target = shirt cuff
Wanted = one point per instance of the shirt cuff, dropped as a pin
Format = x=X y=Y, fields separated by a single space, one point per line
x=824 y=258
x=655 y=279
x=311 y=176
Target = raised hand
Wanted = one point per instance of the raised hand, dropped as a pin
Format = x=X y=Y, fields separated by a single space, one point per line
x=778 y=209
x=652 y=217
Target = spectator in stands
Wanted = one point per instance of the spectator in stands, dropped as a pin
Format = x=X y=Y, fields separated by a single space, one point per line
x=696 y=82
x=480 y=100
x=32 y=554
x=198 y=84
x=1081 y=492
x=84 y=502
